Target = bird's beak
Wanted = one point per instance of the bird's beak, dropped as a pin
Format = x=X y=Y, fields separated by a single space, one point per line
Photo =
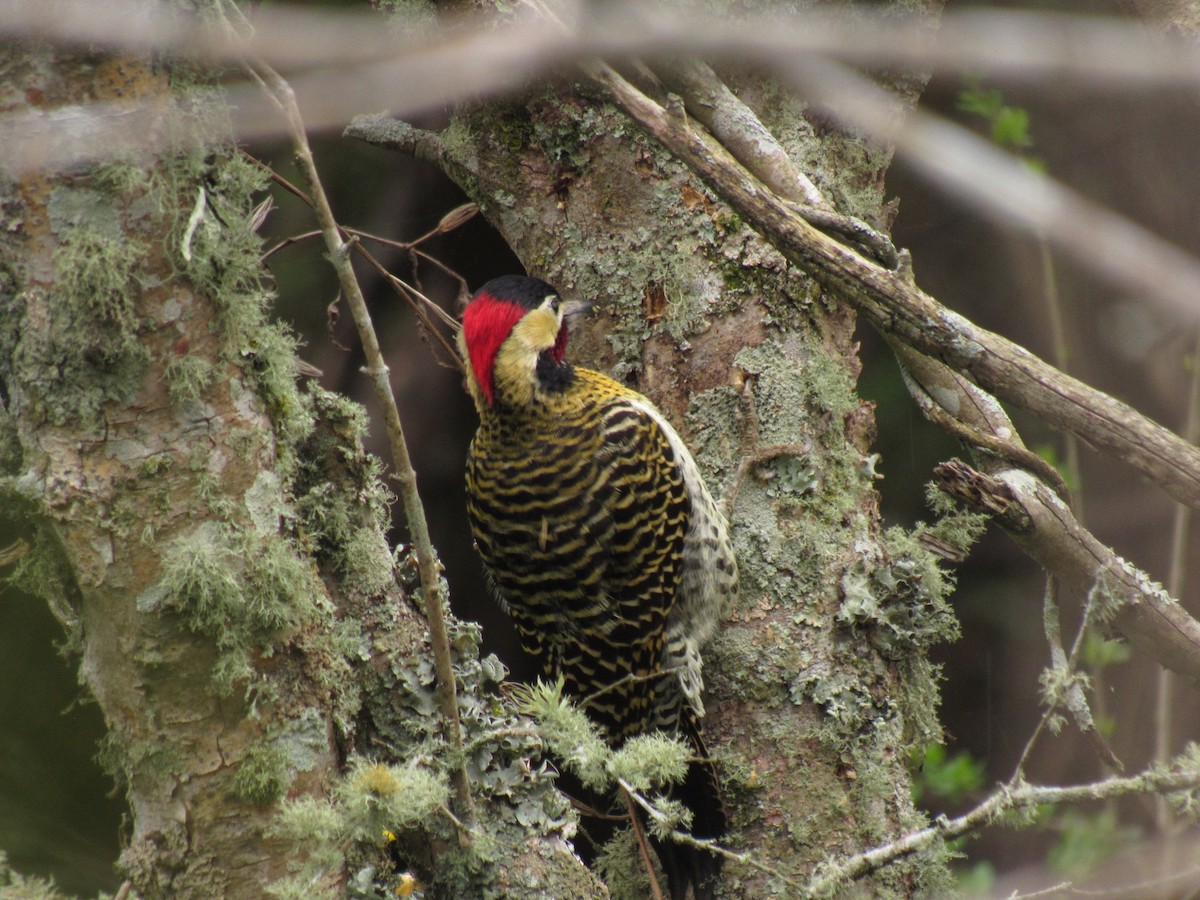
x=573 y=308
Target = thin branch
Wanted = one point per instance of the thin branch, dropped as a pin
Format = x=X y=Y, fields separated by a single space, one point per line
x=416 y=299
x=427 y=564
x=1062 y=357
x=1180 y=533
x=1042 y=525
x=1063 y=684
x=639 y=834
x=896 y=306
x=1014 y=796
x=707 y=844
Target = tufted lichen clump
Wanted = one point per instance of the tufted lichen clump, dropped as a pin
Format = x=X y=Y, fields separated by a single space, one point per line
x=240 y=588
x=343 y=518
x=88 y=352
x=262 y=776
x=381 y=815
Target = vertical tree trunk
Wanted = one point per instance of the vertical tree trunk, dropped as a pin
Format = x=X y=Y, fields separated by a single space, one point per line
x=150 y=425
x=212 y=537
x=818 y=681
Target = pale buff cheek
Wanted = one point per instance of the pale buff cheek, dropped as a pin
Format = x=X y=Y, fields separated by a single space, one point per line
x=513 y=372
x=516 y=361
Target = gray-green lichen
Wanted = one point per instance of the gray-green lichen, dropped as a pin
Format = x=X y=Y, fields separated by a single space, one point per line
x=87 y=352
x=262 y=776
x=392 y=809
x=243 y=590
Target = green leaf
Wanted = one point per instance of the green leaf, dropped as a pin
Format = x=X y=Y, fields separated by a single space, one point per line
x=1010 y=127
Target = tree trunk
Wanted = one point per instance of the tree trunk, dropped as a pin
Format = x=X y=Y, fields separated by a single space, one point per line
x=148 y=411
x=212 y=537
x=818 y=682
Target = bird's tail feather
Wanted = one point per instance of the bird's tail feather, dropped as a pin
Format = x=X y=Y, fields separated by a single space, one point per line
x=692 y=871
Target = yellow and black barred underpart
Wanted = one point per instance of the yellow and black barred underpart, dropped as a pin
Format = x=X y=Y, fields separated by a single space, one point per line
x=580 y=510
x=599 y=536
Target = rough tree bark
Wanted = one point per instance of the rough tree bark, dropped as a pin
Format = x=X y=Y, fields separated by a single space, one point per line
x=146 y=410
x=212 y=537
x=818 y=682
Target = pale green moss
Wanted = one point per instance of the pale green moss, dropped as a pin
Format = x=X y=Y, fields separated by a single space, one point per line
x=262 y=776
x=240 y=589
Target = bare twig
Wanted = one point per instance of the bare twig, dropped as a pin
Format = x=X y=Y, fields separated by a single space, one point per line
x=1180 y=532
x=427 y=564
x=1063 y=684
x=1015 y=795
x=1062 y=358
x=709 y=845
x=639 y=834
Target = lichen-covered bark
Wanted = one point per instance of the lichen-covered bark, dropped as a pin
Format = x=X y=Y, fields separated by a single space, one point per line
x=212 y=536
x=818 y=682
x=144 y=415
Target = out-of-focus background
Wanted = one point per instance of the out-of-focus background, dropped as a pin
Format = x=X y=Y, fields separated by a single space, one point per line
x=1135 y=151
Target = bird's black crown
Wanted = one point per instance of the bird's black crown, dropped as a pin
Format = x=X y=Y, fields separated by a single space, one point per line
x=520 y=289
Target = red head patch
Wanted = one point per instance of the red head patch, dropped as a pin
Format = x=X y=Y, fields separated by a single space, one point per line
x=487 y=321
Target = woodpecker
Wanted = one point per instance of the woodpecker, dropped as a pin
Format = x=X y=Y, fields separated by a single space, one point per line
x=598 y=535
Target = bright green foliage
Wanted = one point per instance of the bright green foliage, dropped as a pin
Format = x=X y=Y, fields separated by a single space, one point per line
x=1100 y=652
x=1009 y=124
x=946 y=777
x=977 y=880
x=1087 y=839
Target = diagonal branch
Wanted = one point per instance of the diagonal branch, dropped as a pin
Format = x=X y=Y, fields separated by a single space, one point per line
x=1042 y=525
x=893 y=303
x=1015 y=795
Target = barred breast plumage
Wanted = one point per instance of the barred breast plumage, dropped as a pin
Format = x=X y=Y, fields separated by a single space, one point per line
x=594 y=524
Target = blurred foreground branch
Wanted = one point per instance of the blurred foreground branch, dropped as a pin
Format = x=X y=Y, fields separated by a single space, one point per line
x=343 y=64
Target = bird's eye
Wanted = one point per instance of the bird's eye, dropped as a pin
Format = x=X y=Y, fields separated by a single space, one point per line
x=555 y=303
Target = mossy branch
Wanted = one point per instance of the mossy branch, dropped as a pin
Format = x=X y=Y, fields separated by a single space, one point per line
x=414 y=510
x=1043 y=526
